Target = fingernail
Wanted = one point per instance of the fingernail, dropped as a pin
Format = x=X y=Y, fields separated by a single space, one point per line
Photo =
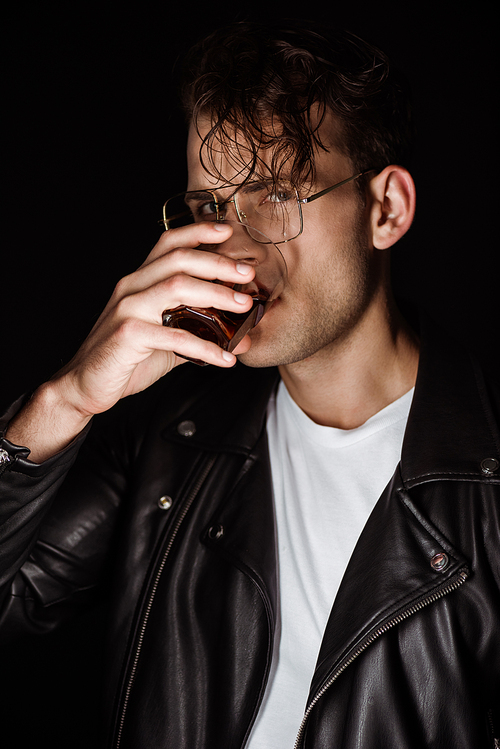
x=227 y=356
x=220 y=227
x=240 y=298
x=243 y=268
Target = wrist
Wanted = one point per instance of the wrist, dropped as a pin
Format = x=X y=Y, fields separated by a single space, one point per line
x=48 y=422
x=61 y=398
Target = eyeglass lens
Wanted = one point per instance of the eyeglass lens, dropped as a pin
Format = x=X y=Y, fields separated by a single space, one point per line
x=270 y=208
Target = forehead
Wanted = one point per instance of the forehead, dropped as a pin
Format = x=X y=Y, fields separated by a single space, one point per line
x=229 y=162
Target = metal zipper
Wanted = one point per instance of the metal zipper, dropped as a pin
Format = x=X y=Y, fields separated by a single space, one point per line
x=191 y=497
x=463 y=574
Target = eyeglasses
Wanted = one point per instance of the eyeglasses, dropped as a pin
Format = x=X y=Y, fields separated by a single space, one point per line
x=271 y=208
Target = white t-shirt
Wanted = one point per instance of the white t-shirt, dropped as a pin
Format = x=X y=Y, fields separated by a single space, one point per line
x=326 y=482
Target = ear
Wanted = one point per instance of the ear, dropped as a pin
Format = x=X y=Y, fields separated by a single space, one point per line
x=392 y=207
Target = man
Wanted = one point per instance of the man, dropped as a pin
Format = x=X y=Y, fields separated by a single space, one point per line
x=223 y=511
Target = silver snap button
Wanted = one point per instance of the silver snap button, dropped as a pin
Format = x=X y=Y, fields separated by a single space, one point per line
x=186 y=428
x=489 y=466
x=165 y=502
x=215 y=532
x=439 y=562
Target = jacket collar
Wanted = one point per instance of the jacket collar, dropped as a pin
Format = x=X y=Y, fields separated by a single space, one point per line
x=451 y=429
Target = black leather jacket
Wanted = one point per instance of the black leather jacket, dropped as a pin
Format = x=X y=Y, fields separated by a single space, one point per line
x=170 y=503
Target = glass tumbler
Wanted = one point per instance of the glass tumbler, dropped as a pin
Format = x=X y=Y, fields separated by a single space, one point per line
x=227 y=328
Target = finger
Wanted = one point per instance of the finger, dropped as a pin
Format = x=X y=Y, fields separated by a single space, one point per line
x=185 y=261
x=187 y=345
x=149 y=304
x=192 y=235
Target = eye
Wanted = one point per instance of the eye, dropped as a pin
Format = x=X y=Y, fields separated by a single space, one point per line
x=280 y=193
x=208 y=209
x=204 y=210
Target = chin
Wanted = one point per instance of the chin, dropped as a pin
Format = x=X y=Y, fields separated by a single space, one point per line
x=255 y=358
x=262 y=352
x=268 y=350
x=280 y=339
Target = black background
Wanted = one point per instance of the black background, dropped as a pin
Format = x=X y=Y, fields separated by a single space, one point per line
x=94 y=144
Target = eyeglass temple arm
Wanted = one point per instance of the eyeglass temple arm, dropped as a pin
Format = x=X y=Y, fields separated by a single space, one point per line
x=329 y=189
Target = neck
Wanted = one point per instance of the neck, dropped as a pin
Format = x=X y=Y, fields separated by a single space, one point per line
x=353 y=378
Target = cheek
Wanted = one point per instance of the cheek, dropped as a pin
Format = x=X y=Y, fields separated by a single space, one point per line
x=318 y=257
x=327 y=269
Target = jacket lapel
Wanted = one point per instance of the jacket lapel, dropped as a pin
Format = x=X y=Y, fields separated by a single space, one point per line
x=229 y=416
x=390 y=571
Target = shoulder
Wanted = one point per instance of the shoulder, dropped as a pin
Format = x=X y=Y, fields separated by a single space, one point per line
x=454 y=423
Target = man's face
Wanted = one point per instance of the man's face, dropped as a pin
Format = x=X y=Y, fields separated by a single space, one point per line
x=333 y=270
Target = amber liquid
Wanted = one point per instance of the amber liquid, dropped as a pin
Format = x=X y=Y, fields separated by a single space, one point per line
x=222 y=327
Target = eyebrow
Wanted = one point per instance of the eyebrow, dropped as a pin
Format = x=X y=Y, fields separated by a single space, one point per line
x=198 y=194
x=252 y=186
x=255 y=185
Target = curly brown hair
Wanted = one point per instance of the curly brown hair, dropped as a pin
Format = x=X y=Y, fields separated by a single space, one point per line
x=263 y=87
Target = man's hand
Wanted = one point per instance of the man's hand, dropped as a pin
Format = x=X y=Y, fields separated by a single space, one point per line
x=128 y=349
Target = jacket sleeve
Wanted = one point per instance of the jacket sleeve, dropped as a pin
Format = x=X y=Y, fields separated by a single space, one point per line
x=56 y=527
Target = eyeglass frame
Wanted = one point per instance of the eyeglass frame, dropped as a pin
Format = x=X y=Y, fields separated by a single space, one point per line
x=300 y=201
